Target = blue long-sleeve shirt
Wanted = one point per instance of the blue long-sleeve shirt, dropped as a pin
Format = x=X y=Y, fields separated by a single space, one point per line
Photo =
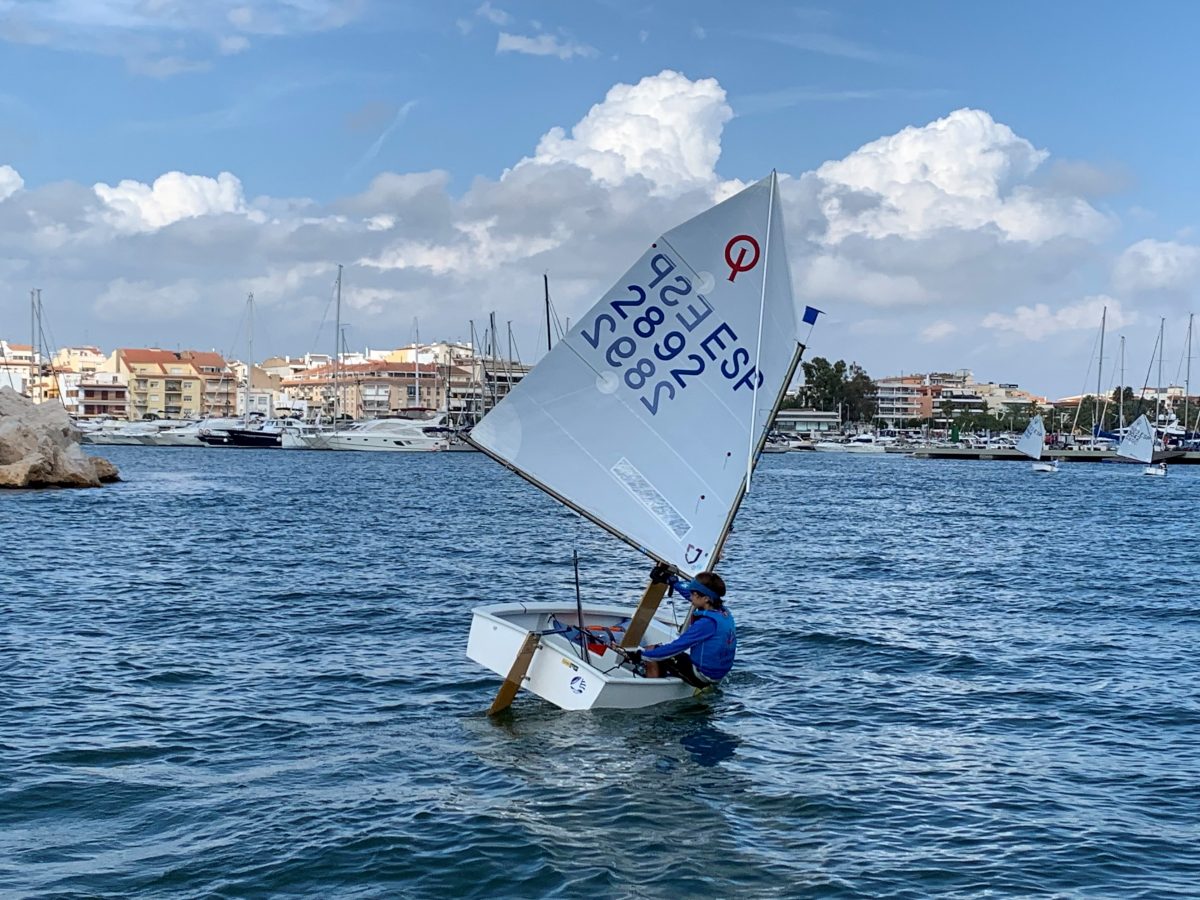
x=710 y=641
x=701 y=629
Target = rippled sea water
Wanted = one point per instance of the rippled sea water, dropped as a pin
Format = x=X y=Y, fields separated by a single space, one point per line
x=242 y=673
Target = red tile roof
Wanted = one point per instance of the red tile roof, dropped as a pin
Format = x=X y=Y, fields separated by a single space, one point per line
x=324 y=374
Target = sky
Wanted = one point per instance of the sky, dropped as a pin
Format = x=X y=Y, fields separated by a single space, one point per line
x=964 y=185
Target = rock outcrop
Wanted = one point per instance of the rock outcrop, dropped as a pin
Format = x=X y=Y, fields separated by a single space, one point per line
x=39 y=447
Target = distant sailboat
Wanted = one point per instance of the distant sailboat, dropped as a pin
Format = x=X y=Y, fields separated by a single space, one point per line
x=1138 y=444
x=647 y=418
x=1031 y=444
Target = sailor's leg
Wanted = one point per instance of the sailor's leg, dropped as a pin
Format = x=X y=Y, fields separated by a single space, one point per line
x=652 y=670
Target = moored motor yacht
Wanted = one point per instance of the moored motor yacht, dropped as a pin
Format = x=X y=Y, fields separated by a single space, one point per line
x=860 y=443
x=390 y=436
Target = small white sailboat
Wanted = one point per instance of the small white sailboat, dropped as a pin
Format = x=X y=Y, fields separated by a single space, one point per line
x=647 y=419
x=1138 y=444
x=1032 y=442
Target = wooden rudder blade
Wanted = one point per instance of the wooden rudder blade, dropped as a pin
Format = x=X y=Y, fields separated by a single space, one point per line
x=516 y=675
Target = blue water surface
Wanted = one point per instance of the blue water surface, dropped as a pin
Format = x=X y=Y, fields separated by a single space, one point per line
x=241 y=673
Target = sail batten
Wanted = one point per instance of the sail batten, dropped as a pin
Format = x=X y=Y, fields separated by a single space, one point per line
x=640 y=418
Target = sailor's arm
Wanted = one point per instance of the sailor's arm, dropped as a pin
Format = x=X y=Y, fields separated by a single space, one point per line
x=701 y=629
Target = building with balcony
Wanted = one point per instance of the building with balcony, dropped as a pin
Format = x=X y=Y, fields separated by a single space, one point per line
x=902 y=398
x=103 y=394
x=174 y=383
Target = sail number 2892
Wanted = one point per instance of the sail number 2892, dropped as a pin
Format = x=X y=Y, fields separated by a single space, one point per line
x=661 y=333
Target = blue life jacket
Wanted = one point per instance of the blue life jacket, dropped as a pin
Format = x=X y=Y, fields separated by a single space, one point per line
x=713 y=656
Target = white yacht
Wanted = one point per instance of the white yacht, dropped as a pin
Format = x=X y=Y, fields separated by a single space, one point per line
x=390 y=436
x=118 y=432
x=306 y=436
x=189 y=435
x=860 y=443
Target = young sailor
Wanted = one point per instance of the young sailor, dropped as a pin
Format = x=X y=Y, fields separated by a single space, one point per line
x=704 y=653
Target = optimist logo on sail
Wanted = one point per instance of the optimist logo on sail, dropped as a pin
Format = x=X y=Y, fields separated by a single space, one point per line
x=739 y=265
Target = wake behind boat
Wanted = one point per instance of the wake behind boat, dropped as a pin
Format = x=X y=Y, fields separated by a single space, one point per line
x=605 y=424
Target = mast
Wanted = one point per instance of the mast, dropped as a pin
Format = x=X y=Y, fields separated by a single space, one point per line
x=719 y=547
x=508 y=362
x=756 y=446
x=249 y=354
x=1121 y=406
x=337 y=332
x=1158 y=393
x=546 y=285
x=492 y=354
x=1187 y=380
x=1099 y=369
x=32 y=342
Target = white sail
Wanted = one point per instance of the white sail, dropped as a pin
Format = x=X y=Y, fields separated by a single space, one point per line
x=1138 y=442
x=641 y=417
x=1034 y=439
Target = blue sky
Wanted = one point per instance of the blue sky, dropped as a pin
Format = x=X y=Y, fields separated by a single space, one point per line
x=306 y=103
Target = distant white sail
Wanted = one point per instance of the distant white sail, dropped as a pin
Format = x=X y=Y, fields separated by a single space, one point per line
x=1138 y=442
x=641 y=417
x=1034 y=439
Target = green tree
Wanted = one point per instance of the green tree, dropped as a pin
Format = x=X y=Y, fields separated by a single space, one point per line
x=859 y=392
x=839 y=386
x=824 y=383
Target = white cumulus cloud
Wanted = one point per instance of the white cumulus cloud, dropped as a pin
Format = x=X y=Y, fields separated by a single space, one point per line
x=666 y=128
x=1149 y=266
x=964 y=171
x=1039 y=322
x=10 y=182
x=135 y=206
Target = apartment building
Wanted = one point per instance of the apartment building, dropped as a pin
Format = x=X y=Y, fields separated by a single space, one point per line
x=945 y=396
x=18 y=366
x=174 y=383
x=369 y=389
x=902 y=398
x=103 y=394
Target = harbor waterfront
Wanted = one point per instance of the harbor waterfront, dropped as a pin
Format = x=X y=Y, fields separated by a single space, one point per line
x=1184 y=457
x=243 y=674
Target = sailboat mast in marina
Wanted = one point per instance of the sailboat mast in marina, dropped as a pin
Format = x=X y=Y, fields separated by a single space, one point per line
x=647 y=419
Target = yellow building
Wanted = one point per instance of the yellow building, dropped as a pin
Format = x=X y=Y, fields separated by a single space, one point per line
x=84 y=360
x=175 y=383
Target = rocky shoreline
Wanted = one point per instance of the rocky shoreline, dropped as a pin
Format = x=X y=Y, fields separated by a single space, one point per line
x=39 y=447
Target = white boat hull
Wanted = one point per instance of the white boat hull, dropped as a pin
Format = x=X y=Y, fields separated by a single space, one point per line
x=558 y=672
x=1158 y=471
x=1045 y=467
x=377 y=444
x=290 y=440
